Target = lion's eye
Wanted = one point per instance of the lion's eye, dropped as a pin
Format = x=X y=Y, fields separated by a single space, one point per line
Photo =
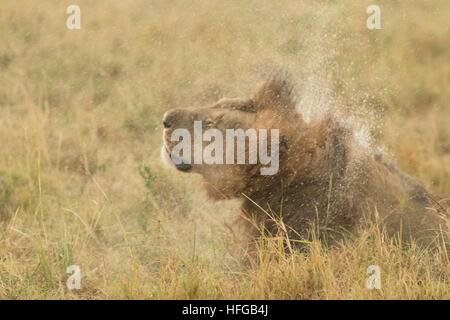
x=208 y=123
x=249 y=108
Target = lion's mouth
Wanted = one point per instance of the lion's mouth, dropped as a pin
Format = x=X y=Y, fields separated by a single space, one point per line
x=179 y=164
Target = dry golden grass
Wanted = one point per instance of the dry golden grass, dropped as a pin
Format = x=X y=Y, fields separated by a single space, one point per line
x=80 y=113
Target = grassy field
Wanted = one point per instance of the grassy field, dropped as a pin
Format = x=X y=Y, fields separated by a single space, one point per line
x=80 y=129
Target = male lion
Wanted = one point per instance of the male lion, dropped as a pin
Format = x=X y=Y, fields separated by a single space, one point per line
x=325 y=179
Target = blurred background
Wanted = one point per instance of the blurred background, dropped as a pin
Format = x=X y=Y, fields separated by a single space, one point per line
x=80 y=129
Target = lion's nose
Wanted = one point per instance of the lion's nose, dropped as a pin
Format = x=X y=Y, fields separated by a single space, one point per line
x=168 y=119
x=167 y=124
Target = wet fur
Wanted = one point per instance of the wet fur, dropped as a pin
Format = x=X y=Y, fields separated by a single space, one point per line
x=327 y=183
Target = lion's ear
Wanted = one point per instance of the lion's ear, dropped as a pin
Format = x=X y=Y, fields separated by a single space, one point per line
x=277 y=91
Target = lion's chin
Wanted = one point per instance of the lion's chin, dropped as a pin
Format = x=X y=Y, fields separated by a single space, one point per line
x=165 y=157
x=167 y=160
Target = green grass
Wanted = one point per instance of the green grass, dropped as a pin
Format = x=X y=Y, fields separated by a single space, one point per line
x=80 y=126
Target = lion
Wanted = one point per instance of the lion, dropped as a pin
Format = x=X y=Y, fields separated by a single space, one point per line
x=327 y=185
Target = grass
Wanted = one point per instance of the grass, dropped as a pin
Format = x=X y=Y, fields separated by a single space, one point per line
x=80 y=113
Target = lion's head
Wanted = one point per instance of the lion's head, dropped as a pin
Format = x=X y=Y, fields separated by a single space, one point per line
x=271 y=106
